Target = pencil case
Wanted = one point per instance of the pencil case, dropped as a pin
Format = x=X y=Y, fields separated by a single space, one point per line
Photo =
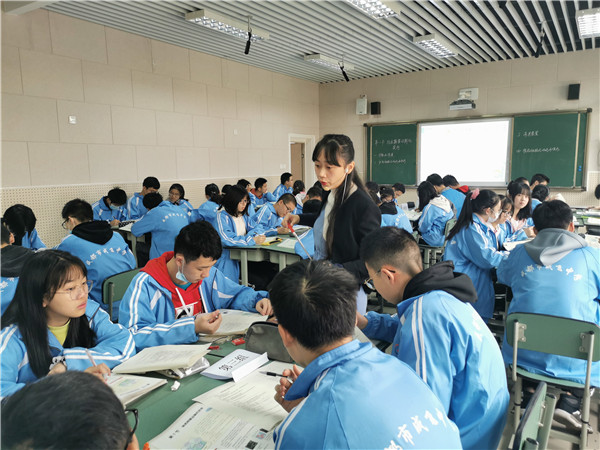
x=264 y=337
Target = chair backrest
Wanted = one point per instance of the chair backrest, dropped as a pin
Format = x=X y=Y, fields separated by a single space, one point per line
x=555 y=335
x=114 y=287
x=527 y=432
x=449 y=225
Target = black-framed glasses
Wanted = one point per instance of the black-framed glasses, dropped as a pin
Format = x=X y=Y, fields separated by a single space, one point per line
x=134 y=427
x=369 y=281
x=64 y=224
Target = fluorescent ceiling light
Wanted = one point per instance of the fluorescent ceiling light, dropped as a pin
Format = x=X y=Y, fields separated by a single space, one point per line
x=436 y=45
x=225 y=24
x=326 y=61
x=376 y=8
x=588 y=22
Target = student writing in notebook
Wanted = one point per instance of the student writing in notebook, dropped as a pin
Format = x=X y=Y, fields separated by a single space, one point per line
x=111 y=207
x=350 y=395
x=135 y=205
x=50 y=325
x=437 y=332
x=269 y=216
x=178 y=295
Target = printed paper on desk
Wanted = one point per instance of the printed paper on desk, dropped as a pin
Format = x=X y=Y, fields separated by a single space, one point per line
x=204 y=427
x=250 y=399
x=128 y=388
x=163 y=357
x=288 y=243
x=236 y=365
x=237 y=322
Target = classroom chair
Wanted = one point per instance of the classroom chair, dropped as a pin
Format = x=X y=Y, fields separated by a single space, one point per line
x=557 y=336
x=433 y=255
x=114 y=287
x=534 y=428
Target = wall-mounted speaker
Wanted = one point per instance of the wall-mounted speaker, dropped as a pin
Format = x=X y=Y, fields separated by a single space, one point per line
x=573 y=92
x=375 y=108
x=361 y=106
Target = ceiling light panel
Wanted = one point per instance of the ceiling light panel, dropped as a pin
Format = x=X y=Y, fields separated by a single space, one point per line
x=326 y=61
x=436 y=45
x=225 y=24
x=588 y=22
x=376 y=8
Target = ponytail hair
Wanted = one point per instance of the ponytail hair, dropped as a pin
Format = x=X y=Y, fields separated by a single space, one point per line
x=426 y=192
x=475 y=202
x=334 y=146
x=212 y=190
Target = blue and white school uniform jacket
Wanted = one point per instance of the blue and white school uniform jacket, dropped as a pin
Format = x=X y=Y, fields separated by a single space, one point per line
x=535 y=203
x=187 y=206
x=103 y=212
x=148 y=311
x=556 y=274
x=474 y=252
x=456 y=197
x=448 y=345
x=114 y=344
x=399 y=220
x=280 y=190
x=358 y=397
x=229 y=238
x=432 y=222
x=8 y=286
x=164 y=222
x=265 y=198
x=135 y=206
x=101 y=260
x=32 y=240
x=268 y=219
x=206 y=211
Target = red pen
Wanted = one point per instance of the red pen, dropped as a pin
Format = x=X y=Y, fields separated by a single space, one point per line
x=291 y=228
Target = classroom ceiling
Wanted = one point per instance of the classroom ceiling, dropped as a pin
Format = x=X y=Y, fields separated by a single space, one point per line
x=482 y=31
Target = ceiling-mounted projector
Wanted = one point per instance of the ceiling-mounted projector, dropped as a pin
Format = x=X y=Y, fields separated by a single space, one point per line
x=462 y=103
x=465 y=99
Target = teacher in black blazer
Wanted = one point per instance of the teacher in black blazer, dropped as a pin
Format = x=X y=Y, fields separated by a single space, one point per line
x=347 y=212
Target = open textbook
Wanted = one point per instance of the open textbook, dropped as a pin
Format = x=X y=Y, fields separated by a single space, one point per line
x=234 y=415
x=236 y=322
x=128 y=388
x=163 y=357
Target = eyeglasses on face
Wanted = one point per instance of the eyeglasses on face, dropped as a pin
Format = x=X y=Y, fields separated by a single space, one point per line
x=75 y=291
x=135 y=425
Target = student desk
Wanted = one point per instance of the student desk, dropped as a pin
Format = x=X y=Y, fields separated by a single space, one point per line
x=134 y=239
x=161 y=407
x=275 y=253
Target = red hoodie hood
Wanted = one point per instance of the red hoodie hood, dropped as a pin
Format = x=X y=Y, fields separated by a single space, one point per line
x=255 y=194
x=157 y=269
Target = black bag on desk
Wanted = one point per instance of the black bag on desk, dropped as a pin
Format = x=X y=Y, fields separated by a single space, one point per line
x=264 y=337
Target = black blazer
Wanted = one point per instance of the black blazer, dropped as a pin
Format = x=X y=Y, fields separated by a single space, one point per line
x=357 y=217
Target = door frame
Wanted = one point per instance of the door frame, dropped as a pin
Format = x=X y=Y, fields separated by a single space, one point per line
x=309 y=142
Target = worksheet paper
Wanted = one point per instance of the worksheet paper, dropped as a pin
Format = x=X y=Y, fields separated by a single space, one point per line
x=163 y=357
x=236 y=322
x=128 y=388
x=202 y=427
x=250 y=399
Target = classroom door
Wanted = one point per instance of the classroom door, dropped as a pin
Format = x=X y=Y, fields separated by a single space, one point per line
x=297 y=156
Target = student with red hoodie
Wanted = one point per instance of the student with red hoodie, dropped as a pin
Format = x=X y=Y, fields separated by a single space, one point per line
x=178 y=295
x=260 y=194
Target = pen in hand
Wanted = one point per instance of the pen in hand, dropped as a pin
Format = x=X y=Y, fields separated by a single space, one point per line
x=89 y=355
x=273 y=374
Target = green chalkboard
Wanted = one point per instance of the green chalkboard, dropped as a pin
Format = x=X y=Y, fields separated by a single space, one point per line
x=552 y=144
x=392 y=153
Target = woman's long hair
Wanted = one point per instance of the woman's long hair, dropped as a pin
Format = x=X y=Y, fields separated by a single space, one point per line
x=298 y=187
x=515 y=189
x=426 y=192
x=475 y=202
x=335 y=146
x=19 y=219
x=232 y=199
x=42 y=276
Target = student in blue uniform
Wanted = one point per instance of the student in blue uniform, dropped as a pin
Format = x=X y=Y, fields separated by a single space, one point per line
x=269 y=216
x=557 y=274
x=135 y=204
x=539 y=194
x=260 y=194
x=236 y=228
x=12 y=259
x=537 y=179
x=438 y=334
x=350 y=395
x=436 y=211
x=84 y=410
x=103 y=250
x=244 y=184
x=50 y=324
x=208 y=210
x=177 y=197
x=472 y=246
x=520 y=224
x=391 y=215
x=20 y=221
x=111 y=207
x=163 y=221
x=286 y=186
x=178 y=295
x=452 y=193
x=500 y=226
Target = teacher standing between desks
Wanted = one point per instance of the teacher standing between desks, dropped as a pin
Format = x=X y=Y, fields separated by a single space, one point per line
x=347 y=212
